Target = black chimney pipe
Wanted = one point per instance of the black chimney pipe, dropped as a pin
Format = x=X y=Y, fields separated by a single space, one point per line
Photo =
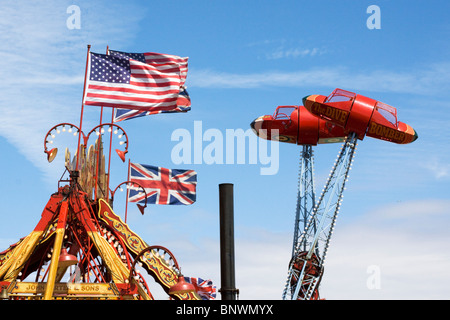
x=227 y=290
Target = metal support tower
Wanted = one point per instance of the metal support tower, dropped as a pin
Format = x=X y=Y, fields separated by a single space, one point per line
x=306 y=197
x=306 y=265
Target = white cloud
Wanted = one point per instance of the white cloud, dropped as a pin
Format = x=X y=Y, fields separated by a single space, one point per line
x=406 y=242
x=43 y=64
x=261 y=262
x=429 y=80
x=283 y=53
x=438 y=168
x=274 y=49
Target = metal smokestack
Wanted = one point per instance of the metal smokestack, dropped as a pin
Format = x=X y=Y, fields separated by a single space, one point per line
x=227 y=290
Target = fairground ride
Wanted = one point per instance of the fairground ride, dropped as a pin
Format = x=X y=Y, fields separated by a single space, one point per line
x=345 y=117
x=80 y=248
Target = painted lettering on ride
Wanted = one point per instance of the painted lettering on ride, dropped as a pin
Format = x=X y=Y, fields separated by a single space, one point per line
x=376 y=129
x=336 y=115
x=35 y=287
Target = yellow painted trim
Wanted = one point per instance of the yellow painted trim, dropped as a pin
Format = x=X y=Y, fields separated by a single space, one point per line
x=63 y=288
x=59 y=237
x=11 y=268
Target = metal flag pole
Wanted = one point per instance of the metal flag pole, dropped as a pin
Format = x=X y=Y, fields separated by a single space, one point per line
x=110 y=141
x=82 y=105
x=110 y=144
x=109 y=156
x=99 y=143
x=128 y=179
x=101 y=108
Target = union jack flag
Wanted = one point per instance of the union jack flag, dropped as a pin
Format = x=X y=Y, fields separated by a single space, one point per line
x=204 y=288
x=183 y=102
x=162 y=186
x=183 y=105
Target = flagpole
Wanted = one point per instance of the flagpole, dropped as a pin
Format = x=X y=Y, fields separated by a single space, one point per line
x=101 y=110
x=110 y=144
x=99 y=143
x=128 y=179
x=82 y=106
x=109 y=156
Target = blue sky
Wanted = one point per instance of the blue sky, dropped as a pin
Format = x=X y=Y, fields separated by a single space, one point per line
x=245 y=59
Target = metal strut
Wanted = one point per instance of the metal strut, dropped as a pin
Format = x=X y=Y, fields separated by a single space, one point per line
x=309 y=251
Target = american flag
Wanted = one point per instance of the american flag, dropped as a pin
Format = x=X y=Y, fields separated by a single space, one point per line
x=163 y=186
x=156 y=59
x=183 y=103
x=204 y=288
x=114 y=81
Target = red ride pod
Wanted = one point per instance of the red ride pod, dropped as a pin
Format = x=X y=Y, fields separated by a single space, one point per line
x=360 y=114
x=295 y=124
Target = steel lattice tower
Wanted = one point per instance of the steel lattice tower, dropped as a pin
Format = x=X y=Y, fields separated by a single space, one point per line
x=306 y=197
x=310 y=247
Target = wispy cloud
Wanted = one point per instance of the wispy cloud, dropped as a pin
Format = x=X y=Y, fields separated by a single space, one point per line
x=285 y=53
x=428 y=80
x=438 y=168
x=43 y=62
x=275 y=49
